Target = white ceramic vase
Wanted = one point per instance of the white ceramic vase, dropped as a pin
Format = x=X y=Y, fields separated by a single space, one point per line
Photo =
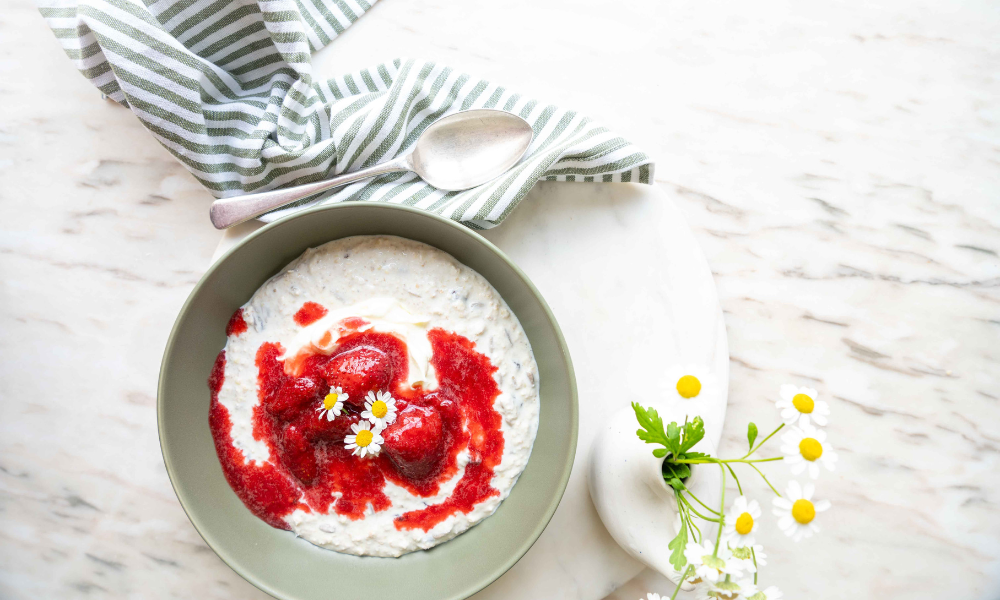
x=627 y=487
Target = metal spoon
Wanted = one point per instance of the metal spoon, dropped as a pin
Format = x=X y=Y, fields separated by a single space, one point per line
x=456 y=152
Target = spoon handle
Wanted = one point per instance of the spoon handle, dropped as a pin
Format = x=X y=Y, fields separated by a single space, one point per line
x=227 y=212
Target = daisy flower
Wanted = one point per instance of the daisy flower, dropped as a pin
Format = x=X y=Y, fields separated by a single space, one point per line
x=690 y=382
x=771 y=593
x=741 y=522
x=805 y=449
x=380 y=410
x=364 y=441
x=333 y=403
x=797 y=511
x=799 y=404
x=711 y=568
x=651 y=596
x=752 y=557
x=722 y=590
x=747 y=587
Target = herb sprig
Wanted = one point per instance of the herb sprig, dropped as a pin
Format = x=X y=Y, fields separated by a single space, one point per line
x=675 y=442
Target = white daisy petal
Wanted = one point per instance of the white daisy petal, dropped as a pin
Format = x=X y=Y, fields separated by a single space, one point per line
x=799 y=406
x=797 y=512
x=808 y=490
x=807 y=445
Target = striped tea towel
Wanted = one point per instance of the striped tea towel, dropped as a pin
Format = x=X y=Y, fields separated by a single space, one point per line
x=227 y=87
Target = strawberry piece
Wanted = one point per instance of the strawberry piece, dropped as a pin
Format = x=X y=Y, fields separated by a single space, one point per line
x=293 y=397
x=414 y=442
x=359 y=370
x=297 y=454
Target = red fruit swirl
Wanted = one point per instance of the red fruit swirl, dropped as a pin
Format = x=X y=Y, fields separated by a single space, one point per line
x=308 y=458
x=310 y=313
x=236 y=323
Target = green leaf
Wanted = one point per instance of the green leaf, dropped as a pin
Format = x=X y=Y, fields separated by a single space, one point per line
x=660 y=452
x=677 y=484
x=675 y=470
x=677 y=545
x=673 y=438
x=652 y=426
x=693 y=432
x=695 y=455
x=751 y=433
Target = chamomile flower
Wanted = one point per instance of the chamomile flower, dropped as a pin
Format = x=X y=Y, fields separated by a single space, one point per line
x=771 y=593
x=675 y=576
x=741 y=522
x=364 y=441
x=806 y=449
x=752 y=557
x=651 y=596
x=333 y=403
x=689 y=382
x=796 y=511
x=747 y=587
x=799 y=405
x=708 y=567
x=721 y=590
x=380 y=410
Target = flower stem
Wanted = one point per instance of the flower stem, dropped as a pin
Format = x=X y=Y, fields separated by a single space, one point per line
x=684 y=577
x=694 y=528
x=754 y=467
x=733 y=473
x=757 y=447
x=691 y=509
x=707 y=507
x=701 y=461
x=753 y=555
x=722 y=508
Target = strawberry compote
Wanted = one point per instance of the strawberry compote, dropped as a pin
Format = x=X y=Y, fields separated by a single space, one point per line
x=438 y=434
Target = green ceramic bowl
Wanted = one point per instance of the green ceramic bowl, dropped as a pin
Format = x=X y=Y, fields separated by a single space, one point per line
x=275 y=560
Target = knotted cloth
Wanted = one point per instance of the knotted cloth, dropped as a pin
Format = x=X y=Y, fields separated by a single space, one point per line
x=227 y=87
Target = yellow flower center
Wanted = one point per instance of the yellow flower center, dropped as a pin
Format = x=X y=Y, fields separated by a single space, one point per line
x=688 y=386
x=803 y=403
x=364 y=438
x=330 y=401
x=379 y=409
x=744 y=524
x=803 y=511
x=810 y=449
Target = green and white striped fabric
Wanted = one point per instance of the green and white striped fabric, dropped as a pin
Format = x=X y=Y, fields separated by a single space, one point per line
x=227 y=86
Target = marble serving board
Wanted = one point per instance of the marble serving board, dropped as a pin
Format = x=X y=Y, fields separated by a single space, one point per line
x=633 y=294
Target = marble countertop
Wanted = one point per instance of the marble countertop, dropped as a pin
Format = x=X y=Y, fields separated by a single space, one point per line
x=839 y=164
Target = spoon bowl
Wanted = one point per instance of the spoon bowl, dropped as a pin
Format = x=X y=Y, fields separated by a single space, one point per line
x=469 y=148
x=456 y=152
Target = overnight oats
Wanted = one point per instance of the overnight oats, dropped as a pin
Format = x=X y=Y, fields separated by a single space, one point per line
x=376 y=397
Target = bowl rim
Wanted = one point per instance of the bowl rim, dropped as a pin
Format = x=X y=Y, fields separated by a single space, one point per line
x=567 y=469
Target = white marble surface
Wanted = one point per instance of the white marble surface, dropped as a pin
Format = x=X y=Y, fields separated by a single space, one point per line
x=839 y=164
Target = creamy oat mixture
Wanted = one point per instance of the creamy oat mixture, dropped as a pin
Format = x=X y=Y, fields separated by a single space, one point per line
x=406 y=289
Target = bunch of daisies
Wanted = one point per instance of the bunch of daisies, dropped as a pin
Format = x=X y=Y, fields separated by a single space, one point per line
x=365 y=438
x=726 y=567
